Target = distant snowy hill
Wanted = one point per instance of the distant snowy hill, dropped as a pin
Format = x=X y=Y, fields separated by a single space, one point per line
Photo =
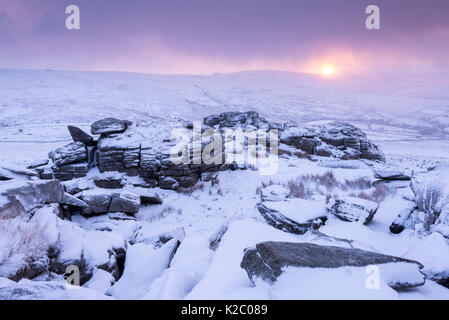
x=387 y=107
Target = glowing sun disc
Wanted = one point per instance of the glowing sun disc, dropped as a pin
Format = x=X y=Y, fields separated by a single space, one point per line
x=327 y=70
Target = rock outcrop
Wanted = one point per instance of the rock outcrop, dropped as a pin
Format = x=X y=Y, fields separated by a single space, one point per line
x=108 y=126
x=294 y=215
x=430 y=209
x=338 y=140
x=79 y=135
x=391 y=175
x=128 y=148
x=268 y=261
x=353 y=209
x=102 y=203
x=48 y=290
x=19 y=199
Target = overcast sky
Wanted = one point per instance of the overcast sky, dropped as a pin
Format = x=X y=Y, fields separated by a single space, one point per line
x=206 y=36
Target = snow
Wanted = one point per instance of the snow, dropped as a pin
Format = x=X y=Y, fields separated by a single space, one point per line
x=328 y=284
x=21 y=242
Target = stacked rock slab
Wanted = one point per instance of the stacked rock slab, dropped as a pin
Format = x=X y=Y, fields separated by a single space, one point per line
x=268 y=260
x=124 y=148
x=73 y=160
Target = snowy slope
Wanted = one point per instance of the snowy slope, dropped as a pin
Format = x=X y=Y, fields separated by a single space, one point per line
x=401 y=105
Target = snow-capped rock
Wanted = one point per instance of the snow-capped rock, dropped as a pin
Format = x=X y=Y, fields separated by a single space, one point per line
x=88 y=250
x=48 y=290
x=70 y=200
x=101 y=202
x=142 y=266
x=108 y=126
x=353 y=209
x=268 y=259
x=433 y=253
x=101 y=281
x=187 y=268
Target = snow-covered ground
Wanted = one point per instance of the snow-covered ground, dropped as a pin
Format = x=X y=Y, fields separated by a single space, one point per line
x=36 y=107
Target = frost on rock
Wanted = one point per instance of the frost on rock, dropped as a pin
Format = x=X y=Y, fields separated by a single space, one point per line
x=294 y=215
x=268 y=260
x=353 y=209
x=339 y=140
x=71 y=153
x=48 y=290
x=101 y=281
x=275 y=192
x=19 y=198
x=433 y=253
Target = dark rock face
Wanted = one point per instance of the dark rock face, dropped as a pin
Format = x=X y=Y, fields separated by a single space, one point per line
x=268 y=259
x=108 y=182
x=279 y=221
x=430 y=210
x=353 y=209
x=71 y=153
x=108 y=126
x=79 y=135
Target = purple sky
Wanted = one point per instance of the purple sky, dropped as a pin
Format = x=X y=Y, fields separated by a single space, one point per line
x=206 y=36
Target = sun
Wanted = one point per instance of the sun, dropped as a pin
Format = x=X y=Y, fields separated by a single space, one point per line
x=327 y=70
